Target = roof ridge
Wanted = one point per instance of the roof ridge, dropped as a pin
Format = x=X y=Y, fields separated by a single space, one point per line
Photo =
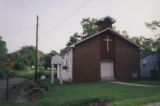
x=118 y=34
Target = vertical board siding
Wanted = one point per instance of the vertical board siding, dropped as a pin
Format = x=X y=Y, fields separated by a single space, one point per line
x=86 y=59
x=88 y=55
x=126 y=60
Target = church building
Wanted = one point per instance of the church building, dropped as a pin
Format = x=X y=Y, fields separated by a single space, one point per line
x=107 y=55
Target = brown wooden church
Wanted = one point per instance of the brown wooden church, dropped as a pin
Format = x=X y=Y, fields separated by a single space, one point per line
x=106 y=55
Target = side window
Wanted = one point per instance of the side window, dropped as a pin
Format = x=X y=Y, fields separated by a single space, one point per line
x=144 y=62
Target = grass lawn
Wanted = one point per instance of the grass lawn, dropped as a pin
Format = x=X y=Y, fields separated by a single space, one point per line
x=27 y=74
x=147 y=82
x=117 y=95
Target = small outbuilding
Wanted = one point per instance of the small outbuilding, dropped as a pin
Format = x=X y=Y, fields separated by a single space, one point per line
x=149 y=62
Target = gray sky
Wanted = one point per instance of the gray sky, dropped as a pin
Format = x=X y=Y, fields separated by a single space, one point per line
x=59 y=19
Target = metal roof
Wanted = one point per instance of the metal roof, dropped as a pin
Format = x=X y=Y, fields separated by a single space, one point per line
x=150 y=53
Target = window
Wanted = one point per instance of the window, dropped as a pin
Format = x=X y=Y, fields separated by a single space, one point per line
x=144 y=62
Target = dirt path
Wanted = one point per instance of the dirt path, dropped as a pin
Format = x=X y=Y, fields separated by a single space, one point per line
x=12 y=82
x=140 y=85
x=153 y=104
x=26 y=92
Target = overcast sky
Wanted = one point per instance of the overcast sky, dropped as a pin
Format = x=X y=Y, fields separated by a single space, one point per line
x=59 y=19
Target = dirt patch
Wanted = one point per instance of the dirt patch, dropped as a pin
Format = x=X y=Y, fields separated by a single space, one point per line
x=97 y=102
x=153 y=104
x=27 y=91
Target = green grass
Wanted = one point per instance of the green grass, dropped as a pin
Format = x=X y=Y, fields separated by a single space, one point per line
x=27 y=74
x=116 y=94
x=147 y=82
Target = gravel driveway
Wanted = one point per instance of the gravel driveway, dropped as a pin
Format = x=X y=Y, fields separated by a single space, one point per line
x=12 y=82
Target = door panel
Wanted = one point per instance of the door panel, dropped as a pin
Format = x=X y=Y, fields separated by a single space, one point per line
x=107 y=71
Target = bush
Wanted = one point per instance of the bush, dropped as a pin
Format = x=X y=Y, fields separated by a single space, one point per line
x=28 y=74
x=2 y=73
x=40 y=73
x=12 y=73
x=19 y=66
x=154 y=74
x=44 y=72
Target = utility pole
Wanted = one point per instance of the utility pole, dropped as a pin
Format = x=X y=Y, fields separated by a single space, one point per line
x=36 y=68
x=7 y=87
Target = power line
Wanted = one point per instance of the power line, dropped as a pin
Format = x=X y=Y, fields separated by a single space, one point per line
x=50 y=42
x=66 y=18
x=16 y=32
x=54 y=27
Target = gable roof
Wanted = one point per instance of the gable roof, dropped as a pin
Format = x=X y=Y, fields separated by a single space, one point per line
x=112 y=31
x=56 y=59
x=151 y=53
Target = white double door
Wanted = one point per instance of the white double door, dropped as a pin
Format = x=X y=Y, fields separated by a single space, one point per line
x=107 y=70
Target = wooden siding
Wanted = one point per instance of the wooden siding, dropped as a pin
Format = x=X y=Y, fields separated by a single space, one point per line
x=127 y=60
x=86 y=59
x=87 y=56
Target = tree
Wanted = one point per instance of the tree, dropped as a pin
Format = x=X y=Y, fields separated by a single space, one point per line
x=125 y=34
x=25 y=57
x=73 y=39
x=89 y=27
x=155 y=26
x=47 y=58
x=146 y=43
x=3 y=49
x=3 y=54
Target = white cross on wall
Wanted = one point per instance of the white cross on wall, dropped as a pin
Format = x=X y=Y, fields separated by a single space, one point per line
x=107 y=40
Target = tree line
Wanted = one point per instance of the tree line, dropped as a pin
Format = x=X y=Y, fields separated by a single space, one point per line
x=25 y=57
x=89 y=29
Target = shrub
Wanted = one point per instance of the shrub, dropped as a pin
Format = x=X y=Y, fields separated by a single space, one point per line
x=2 y=73
x=44 y=72
x=12 y=73
x=40 y=73
x=28 y=76
x=19 y=66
